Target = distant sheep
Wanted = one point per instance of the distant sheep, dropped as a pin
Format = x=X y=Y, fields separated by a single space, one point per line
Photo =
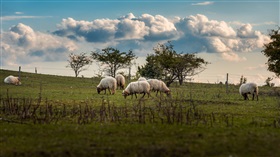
x=12 y=80
x=249 y=88
x=120 y=81
x=109 y=83
x=142 y=79
x=159 y=86
x=138 y=87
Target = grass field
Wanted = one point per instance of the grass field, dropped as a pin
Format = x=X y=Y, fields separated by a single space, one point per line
x=64 y=116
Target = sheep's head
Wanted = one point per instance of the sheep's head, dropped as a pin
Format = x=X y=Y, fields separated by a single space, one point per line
x=98 y=90
x=168 y=93
x=18 y=81
x=125 y=94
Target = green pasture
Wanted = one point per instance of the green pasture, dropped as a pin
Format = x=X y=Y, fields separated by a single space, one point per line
x=64 y=116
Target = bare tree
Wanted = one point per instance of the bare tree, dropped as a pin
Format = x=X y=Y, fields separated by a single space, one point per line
x=78 y=62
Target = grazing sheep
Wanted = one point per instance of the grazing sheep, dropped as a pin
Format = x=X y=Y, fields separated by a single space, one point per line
x=120 y=81
x=12 y=80
x=138 y=87
x=142 y=79
x=249 y=88
x=109 y=83
x=159 y=86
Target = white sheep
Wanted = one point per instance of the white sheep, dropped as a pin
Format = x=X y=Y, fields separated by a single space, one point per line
x=138 y=87
x=142 y=79
x=120 y=81
x=159 y=86
x=12 y=80
x=249 y=88
x=109 y=83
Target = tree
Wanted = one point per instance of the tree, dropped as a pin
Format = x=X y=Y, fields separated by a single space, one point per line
x=242 y=80
x=268 y=82
x=152 y=69
x=113 y=59
x=169 y=65
x=272 y=52
x=78 y=62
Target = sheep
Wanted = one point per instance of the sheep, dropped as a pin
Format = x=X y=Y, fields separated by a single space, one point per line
x=109 y=83
x=249 y=88
x=159 y=86
x=142 y=79
x=12 y=80
x=120 y=81
x=138 y=87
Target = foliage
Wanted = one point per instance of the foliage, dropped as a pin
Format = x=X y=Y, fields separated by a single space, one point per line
x=242 y=80
x=272 y=52
x=169 y=65
x=113 y=59
x=78 y=62
x=268 y=82
x=152 y=68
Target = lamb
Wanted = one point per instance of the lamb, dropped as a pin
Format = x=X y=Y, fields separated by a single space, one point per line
x=249 y=88
x=159 y=86
x=109 y=83
x=12 y=80
x=142 y=79
x=120 y=81
x=138 y=87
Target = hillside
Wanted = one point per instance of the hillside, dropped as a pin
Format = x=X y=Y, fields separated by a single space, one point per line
x=64 y=116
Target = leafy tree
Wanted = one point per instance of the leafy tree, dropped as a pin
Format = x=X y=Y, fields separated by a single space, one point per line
x=268 y=82
x=272 y=52
x=152 y=69
x=78 y=62
x=243 y=80
x=169 y=65
x=113 y=59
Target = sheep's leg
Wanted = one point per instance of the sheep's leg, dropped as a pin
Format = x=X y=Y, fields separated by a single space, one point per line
x=109 y=91
x=245 y=96
x=135 y=95
x=157 y=93
x=253 y=96
x=143 y=95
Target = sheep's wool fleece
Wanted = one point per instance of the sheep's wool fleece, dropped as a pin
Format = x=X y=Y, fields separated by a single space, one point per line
x=248 y=88
x=120 y=79
x=108 y=82
x=11 y=80
x=158 y=85
x=138 y=87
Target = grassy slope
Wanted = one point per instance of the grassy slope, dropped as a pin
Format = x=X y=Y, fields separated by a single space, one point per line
x=253 y=131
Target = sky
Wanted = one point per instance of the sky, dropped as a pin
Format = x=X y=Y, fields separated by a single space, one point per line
x=228 y=34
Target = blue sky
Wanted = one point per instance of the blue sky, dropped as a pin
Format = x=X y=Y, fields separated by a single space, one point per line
x=229 y=34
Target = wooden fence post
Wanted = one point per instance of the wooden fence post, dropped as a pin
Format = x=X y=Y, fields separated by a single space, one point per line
x=19 y=70
x=227 y=84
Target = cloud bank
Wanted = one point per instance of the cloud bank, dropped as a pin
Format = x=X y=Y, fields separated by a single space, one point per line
x=194 y=33
x=21 y=45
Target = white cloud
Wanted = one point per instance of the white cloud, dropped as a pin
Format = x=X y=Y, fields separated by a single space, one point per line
x=233 y=57
x=129 y=27
x=195 y=33
x=204 y=35
x=259 y=67
x=19 y=13
x=203 y=3
x=9 y=18
x=21 y=44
